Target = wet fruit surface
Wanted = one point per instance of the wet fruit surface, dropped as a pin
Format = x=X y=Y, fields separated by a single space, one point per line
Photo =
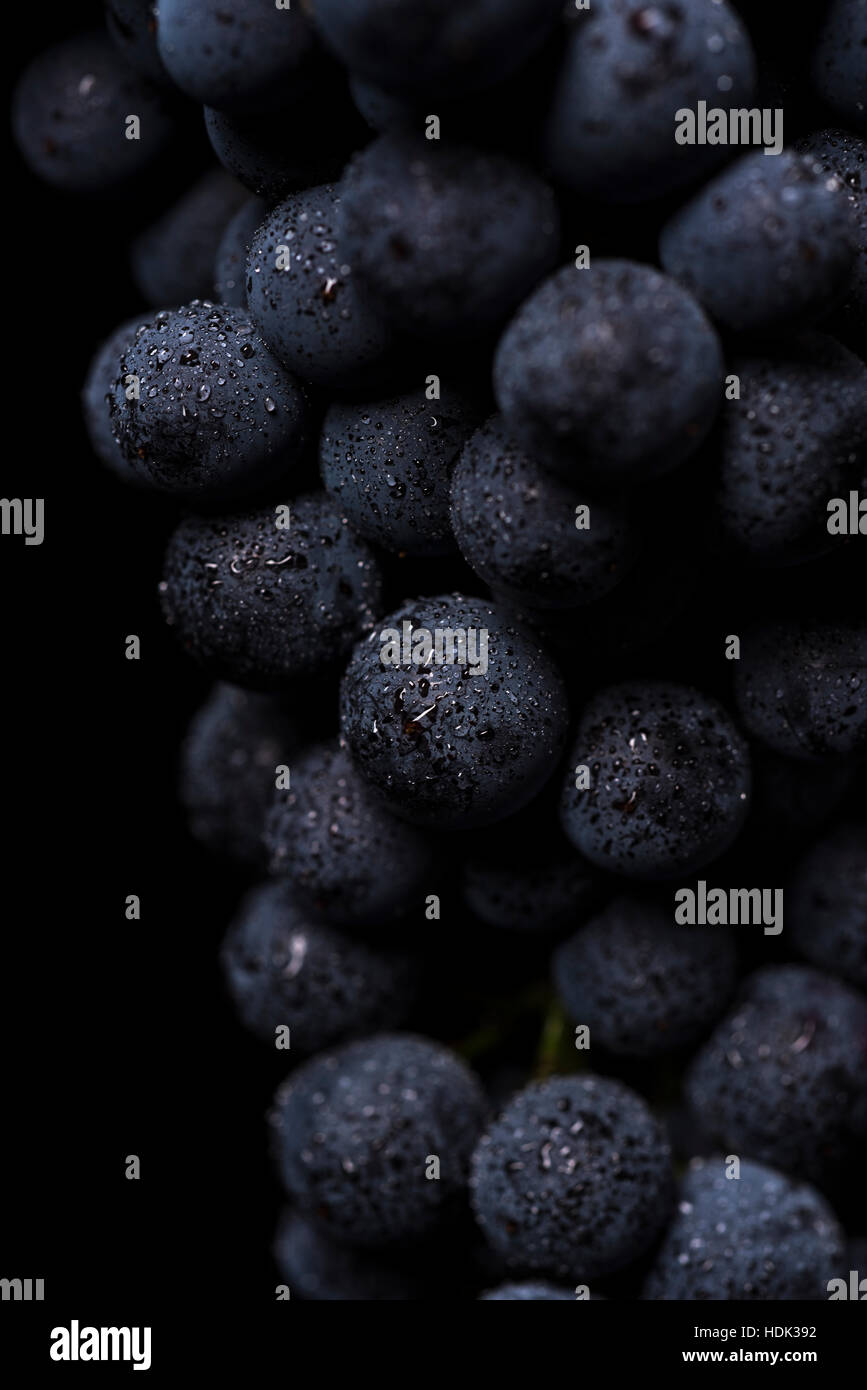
x=442 y=458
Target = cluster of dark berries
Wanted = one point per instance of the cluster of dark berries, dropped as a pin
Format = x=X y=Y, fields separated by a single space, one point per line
x=502 y=378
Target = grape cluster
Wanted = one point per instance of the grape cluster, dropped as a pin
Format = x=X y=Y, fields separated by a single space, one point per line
x=514 y=457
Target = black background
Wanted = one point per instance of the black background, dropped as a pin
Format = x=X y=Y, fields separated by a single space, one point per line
x=117 y=1036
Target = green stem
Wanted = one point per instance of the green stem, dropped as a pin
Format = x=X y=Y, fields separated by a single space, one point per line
x=551 y=1040
x=500 y=1019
